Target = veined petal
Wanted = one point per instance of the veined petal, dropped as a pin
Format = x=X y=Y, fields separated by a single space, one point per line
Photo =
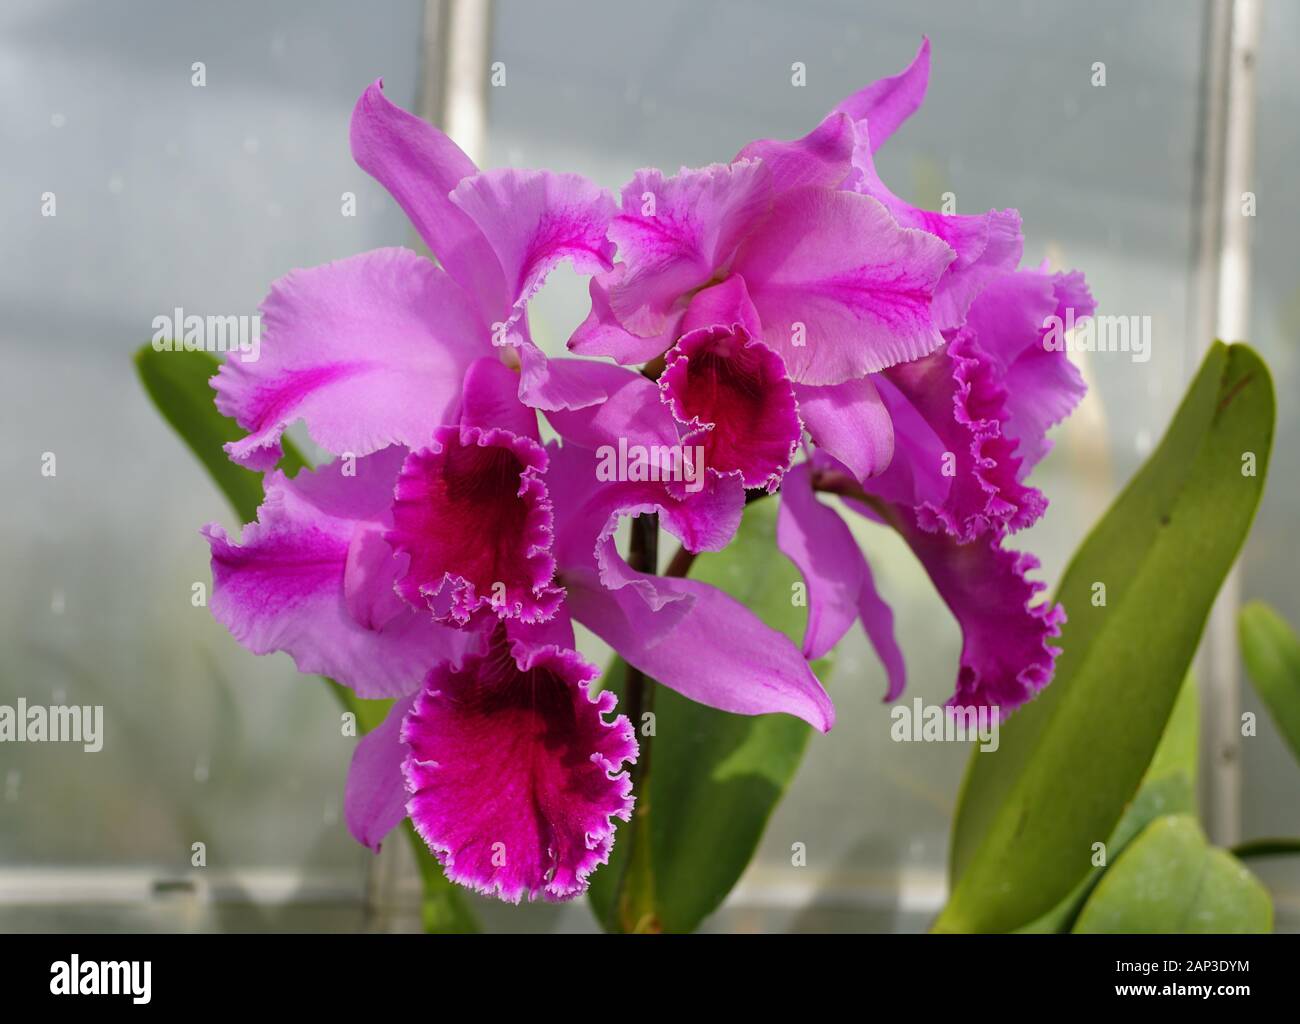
x=369 y=351
x=420 y=166
x=841 y=289
x=850 y=422
x=675 y=233
x=822 y=158
x=311 y=578
x=707 y=646
x=515 y=771
x=474 y=518
x=958 y=393
x=987 y=245
x=840 y=586
x=534 y=220
x=887 y=103
x=374 y=801
x=1006 y=656
x=601 y=334
x=1043 y=386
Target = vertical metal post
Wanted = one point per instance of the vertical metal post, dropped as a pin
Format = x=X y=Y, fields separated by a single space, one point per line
x=1223 y=311
x=453 y=94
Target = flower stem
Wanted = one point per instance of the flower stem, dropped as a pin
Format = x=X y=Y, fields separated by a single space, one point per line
x=636 y=886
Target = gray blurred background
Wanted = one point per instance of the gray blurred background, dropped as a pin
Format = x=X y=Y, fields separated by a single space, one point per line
x=170 y=195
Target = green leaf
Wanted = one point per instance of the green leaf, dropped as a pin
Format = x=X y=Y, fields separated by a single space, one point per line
x=1272 y=655
x=443 y=907
x=1070 y=761
x=177 y=382
x=1169 y=787
x=370 y=712
x=1170 y=881
x=716 y=777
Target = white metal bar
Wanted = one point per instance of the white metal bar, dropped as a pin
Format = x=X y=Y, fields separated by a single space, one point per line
x=1219 y=665
x=457 y=41
x=141 y=886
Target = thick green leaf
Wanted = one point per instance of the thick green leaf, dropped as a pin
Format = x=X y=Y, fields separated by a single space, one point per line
x=1272 y=655
x=715 y=777
x=1071 y=760
x=1169 y=787
x=1170 y=881
x=178 y=384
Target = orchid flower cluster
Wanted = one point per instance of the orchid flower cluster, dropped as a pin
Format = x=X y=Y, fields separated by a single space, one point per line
x=783 y=314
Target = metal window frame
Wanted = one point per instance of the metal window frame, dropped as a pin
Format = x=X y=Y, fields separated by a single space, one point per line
x=1222 y=273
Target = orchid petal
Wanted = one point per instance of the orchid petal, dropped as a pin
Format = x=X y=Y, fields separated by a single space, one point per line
x=534 y=220
x=958 y=393
x=1043 y=386
x=601 y=334
x=731 y=393
x=514 y=772
x=841 y=289
x=840 y=585
x=886 y=104
x=915 y=474
x=822 y=158
x=420 y=166
x=675 y=233
x=713 y=650
x=850 y=422
x=369 y=351
x=309 y=579
x=986 y=245
x=473 y=515
x=374 y=801
x=491 y=399
x=1006 y=656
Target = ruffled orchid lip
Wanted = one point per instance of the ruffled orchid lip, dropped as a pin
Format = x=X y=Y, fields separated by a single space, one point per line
x=473 y=516
x=1007 y=655
x=958 y=467
x=731 y=393
x=514 y=771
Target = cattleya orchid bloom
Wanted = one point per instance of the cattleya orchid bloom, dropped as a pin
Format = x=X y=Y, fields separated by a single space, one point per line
x=912 y=348
x=785 y=302
x=432 y=563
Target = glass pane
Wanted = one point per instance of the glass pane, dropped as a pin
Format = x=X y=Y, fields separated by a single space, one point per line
x=167 y=195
